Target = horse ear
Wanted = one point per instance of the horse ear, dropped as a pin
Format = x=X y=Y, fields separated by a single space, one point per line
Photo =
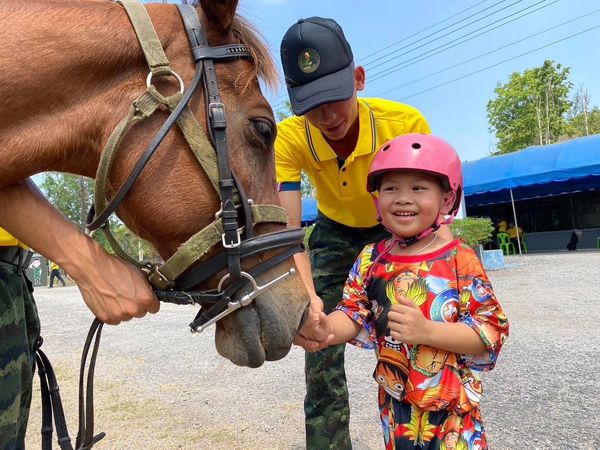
x=219 y=17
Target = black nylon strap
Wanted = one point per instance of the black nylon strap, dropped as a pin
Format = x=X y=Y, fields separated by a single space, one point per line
x=220 y=52
x=249 y=247
x=51 y=403
x=85 y=437
x=215 y=112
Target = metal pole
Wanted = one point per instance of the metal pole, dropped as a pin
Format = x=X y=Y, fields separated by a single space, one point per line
x=512 y=200
x=572 y=212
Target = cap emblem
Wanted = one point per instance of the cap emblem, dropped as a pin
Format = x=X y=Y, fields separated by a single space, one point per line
x=308 y=60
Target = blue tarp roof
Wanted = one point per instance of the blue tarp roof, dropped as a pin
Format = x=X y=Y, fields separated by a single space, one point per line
x=569 y=166
x=309 y=210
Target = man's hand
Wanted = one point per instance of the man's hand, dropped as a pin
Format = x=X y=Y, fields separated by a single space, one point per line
x=407 y=323
x=316 y=304
x=114 y=290
x=316 y=333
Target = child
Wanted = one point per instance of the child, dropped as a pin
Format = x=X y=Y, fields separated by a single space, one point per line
x=425 y=304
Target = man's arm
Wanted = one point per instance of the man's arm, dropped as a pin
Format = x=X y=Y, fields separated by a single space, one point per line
x=291 y=201
x=112 y=289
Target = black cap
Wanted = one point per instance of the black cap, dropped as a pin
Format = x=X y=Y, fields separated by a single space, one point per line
x=317 y=63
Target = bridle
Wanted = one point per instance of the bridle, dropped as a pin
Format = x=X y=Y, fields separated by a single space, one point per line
x=180 y=273
x=233 y=229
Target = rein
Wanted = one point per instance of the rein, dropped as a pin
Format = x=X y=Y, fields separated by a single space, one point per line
x=174 y=280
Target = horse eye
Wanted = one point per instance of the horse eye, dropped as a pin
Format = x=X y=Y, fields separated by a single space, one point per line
x=265 y=129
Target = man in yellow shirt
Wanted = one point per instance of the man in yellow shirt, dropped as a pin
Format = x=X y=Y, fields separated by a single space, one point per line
x=515 y=233
x=333 y=139
x=55 y=273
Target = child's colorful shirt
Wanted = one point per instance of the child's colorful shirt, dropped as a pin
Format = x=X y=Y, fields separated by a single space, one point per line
x=449 y=285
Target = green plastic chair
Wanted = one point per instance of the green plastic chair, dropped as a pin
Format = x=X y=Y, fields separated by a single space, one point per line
x=505 y=244
x=523 y=245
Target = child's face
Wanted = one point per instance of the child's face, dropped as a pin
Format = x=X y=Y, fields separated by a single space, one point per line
x=410 y=201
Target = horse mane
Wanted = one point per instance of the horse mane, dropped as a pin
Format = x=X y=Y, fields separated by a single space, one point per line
x=264 y=66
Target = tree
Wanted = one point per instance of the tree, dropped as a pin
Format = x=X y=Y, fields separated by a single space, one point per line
x=531 y=108
x=308 y=190
x=583 y=119
x=72 y=195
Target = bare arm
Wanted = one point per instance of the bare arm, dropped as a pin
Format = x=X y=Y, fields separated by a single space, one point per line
x=323 y=330
x=113 y=290
x=343 y=327
x=291 y=201
x=454 y=337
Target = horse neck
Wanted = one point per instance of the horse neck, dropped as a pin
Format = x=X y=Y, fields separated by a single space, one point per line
x=74 y=69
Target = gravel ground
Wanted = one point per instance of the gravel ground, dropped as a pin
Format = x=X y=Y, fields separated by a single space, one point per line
x=160 y=387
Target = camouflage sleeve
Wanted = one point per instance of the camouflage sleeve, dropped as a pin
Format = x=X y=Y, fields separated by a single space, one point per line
x=355 y=302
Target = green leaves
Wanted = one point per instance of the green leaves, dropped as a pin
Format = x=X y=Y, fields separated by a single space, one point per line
x=473 y=230
x=531 y=108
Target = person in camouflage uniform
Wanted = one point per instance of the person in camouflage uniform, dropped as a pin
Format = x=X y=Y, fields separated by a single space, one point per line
x=332 y=248
x=333 y=139
x=19 y=333
x=112 y=289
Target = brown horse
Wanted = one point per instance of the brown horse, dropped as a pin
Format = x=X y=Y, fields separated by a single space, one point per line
x=69 y=72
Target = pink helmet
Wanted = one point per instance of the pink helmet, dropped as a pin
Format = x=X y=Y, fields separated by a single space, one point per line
x=420 y=152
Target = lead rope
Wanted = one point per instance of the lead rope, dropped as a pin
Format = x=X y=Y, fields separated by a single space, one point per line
x=52 y=407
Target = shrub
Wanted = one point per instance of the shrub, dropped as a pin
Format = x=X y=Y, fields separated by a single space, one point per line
x=473 y=230
x=307 y=232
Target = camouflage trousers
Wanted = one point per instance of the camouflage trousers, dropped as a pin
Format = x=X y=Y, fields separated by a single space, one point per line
x=19 y=330
x=333 y=247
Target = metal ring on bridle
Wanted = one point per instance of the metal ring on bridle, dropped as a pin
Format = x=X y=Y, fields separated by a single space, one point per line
x=244 y=274
x=173 y=73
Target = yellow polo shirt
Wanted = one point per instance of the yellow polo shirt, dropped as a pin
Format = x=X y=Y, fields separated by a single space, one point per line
x=7 y=240
x=341 y=191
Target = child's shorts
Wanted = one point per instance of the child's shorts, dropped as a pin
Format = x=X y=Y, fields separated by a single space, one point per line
x=407 y=427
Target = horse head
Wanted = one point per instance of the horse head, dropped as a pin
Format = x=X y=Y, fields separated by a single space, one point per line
x=183 y=200
x=89 y=70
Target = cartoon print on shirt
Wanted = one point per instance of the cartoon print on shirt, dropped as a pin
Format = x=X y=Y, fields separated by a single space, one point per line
x=408 y=285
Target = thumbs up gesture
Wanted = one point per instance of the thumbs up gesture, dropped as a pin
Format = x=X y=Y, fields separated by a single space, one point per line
x=407 y=323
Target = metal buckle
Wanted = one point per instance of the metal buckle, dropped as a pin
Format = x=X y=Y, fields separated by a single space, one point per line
x=236 y=206
x=216 y=106
x=232 y=244
x=156 y=278
x=245 y=300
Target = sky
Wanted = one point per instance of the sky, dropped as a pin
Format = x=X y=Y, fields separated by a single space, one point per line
x=446 y=57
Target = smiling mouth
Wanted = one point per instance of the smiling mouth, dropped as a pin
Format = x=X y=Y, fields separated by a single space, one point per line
x=405 y=214
x=334 y=128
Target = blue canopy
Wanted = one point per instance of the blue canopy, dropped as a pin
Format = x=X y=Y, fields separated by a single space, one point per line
x=570 y=166
x=309 y=210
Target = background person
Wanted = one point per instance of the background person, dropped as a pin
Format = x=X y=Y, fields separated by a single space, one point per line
x=512 y=232
x=55 y=273
x=333 y=139
x=424 y=303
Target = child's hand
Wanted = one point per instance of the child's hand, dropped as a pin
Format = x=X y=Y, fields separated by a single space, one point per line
x=407 y=323
x=315 y=334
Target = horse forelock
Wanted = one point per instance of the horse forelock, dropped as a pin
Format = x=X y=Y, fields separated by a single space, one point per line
x=262 y=58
